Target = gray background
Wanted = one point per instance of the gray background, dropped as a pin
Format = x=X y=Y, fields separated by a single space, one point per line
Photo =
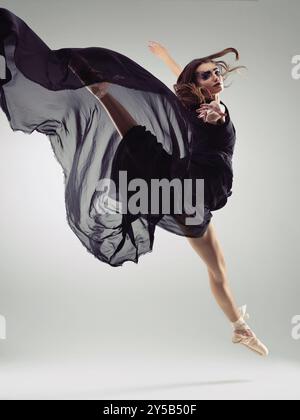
x=65 y=308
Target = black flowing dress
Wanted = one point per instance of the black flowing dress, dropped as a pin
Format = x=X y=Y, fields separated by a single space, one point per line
x=39 y=91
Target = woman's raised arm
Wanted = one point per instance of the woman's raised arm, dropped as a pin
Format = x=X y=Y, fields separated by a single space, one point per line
x=162 y=53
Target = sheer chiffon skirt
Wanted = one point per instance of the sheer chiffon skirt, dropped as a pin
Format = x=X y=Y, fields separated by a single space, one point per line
x=40 y=92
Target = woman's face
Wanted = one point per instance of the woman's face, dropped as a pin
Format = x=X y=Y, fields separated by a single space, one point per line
x=208 y=75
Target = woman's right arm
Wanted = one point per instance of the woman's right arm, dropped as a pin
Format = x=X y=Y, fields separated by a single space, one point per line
x=161 y=52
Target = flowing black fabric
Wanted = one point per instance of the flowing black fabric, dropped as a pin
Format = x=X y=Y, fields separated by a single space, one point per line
x=40 y=92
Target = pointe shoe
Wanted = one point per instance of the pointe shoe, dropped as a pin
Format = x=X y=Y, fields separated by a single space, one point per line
x=88 y=75
x=247 y=337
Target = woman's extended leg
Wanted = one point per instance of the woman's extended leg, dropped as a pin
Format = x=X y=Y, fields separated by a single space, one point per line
x=118 y=114
x=209 y=249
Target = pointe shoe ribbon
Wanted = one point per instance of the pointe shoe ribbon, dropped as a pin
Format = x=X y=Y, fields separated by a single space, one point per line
x=241 y=321
x=243 y=311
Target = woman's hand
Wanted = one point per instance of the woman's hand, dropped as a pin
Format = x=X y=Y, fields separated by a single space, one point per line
x=157 y=49
x=211 y=112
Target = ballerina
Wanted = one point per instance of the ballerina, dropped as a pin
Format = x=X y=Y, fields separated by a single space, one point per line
x=45 y=96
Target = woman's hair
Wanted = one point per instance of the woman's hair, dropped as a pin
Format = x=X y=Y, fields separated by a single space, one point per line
x=187 y=89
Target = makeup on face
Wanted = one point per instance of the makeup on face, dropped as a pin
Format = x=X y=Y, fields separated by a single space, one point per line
x=205 y=75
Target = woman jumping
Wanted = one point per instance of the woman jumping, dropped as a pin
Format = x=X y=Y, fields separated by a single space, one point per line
x=42 y=91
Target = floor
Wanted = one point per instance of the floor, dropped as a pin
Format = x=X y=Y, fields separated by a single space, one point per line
x=246 y=376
